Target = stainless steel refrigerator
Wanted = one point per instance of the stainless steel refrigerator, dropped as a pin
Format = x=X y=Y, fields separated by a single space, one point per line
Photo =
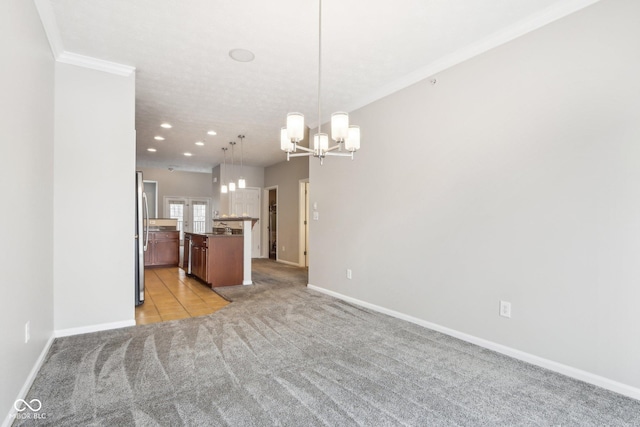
x=141 y=237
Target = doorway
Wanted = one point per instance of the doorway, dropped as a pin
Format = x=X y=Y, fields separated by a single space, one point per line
x=303 y=212
x=272 y=226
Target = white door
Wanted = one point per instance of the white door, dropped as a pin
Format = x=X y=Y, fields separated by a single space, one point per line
x=193 y=214
x=246 y=202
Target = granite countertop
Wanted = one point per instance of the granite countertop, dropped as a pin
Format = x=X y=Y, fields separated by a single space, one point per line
x=215 y=234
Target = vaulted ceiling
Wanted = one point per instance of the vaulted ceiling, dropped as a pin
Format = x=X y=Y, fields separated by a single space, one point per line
x=185 y=76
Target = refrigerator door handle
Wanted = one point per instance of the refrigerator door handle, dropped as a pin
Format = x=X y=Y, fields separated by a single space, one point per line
x=145 y=217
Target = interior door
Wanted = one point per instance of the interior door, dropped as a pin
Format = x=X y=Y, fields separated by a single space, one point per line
x=246 y=202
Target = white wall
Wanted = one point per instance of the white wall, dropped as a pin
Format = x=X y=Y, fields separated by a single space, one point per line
x=94 y=205
x=26 y=175
x=515 y=177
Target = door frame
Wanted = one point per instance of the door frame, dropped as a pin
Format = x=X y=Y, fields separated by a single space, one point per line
x=303 y=222
x=265 y=226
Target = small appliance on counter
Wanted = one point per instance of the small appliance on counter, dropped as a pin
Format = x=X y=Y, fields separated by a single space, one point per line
x=161 y=224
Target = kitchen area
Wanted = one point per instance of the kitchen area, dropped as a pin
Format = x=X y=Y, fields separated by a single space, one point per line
x=177 y=270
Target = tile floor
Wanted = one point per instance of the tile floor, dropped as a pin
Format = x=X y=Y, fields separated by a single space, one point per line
x=170 y=295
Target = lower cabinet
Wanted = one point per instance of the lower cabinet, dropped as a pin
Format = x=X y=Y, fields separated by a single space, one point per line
x=163 y=249
x=214 y=259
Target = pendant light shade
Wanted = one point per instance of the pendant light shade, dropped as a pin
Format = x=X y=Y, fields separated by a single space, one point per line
x=285 y=143
x=232 y=184
x=242 y=183
x=295 y=127
x=352 y=143
x=320 y=142
x=339 y=126
x=223 y=189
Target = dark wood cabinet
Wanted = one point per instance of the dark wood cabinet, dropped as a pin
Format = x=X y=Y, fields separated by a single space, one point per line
x=163 y=249
x=216 y=260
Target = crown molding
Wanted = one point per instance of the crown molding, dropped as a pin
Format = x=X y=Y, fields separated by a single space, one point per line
x=96 y=64
x=50 y=25
x=546 y=16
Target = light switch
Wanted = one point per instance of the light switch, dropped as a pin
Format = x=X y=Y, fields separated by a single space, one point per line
x=316 y=215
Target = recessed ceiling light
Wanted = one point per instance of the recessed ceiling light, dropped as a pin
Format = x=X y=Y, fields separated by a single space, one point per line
x=153 y=150
x=166 y=125
x=158 y=138
x=212 y=132
x=188 y=154
x=242 y=55
x=199 y=143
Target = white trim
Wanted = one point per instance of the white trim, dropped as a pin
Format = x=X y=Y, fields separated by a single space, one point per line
x=288 y=263
x=546 y=16
x=59 y=333
x=569 y=371
x=96 y=64
x=10 y=418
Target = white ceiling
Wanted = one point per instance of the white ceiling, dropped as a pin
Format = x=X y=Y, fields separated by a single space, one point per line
x=185 y=76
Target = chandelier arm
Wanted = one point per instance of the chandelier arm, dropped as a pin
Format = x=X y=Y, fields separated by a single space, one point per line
x=338 y=154
x=308 y=150
x=335 y=147
x=300 y=154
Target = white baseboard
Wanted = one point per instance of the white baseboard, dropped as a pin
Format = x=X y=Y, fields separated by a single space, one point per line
x=569 y=371
x=29 y=381
x=295 y=264
x=93 y=328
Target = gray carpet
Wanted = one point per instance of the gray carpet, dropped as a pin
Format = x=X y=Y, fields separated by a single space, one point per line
x=281 y=354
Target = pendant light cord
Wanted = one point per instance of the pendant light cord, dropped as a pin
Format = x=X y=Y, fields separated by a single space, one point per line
x=319 y=63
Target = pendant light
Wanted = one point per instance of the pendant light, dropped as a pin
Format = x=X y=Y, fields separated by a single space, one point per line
x=223 y=186
x=232 y=184
x=341 y=131
x=241 y=182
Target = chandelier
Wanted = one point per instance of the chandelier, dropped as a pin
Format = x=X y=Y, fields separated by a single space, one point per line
x=341 y=132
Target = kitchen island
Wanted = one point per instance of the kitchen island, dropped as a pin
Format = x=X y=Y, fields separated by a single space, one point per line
x=214 y=258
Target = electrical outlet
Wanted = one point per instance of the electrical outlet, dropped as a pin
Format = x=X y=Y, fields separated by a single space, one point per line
x=505 y=309
x=27 y=332
x=316 y=216
x=349 y=276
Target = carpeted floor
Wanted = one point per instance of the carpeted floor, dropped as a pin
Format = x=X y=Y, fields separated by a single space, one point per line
x=281 y=354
